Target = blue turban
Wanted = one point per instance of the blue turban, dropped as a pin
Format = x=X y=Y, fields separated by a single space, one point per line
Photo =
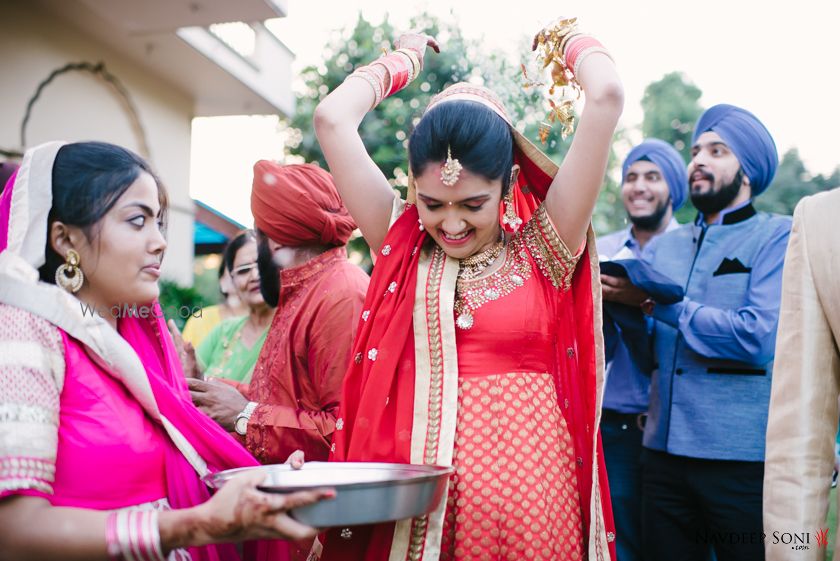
x=669 y=162
x=748 y=139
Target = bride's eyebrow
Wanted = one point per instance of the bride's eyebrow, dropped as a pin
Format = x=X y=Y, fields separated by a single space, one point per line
x=475 y=198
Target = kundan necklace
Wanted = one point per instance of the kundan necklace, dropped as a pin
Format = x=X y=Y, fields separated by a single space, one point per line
x=473 y=292
x=474 y=265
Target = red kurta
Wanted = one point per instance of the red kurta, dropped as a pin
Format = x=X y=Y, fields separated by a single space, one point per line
x=298 y=376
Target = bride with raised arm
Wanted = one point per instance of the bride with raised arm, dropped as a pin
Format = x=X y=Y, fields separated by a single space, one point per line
x=479 y=344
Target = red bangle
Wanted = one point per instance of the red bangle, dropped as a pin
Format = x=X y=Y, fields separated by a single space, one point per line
x=399 y=69
x=576 y=46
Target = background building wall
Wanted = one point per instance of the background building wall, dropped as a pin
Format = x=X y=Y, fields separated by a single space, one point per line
x=79 y=106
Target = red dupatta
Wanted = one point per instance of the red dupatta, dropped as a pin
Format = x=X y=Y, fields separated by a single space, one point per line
x=399 y=400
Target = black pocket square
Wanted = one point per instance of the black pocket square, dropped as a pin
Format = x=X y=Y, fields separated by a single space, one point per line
x=731 y=266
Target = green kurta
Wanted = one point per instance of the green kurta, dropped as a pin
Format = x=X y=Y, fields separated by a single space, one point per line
x=222 y=354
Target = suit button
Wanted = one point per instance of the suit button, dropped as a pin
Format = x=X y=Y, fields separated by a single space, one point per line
x=679 y=370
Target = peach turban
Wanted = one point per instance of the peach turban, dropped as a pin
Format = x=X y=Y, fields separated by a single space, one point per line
x=298 y=205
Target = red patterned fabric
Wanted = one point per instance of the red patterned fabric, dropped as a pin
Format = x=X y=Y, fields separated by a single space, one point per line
x=298 y=376
x=514 y=493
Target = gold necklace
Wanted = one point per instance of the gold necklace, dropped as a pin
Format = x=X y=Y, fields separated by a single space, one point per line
x=474 y=265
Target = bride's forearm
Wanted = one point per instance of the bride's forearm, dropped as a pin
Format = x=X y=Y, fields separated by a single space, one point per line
x=345 y=106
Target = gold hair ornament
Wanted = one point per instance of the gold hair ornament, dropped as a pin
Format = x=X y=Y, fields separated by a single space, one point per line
x=451 y=169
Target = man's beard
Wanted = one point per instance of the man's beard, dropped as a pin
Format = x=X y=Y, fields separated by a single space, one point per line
x=715 y=201
x=653 y=221
x=269 y=275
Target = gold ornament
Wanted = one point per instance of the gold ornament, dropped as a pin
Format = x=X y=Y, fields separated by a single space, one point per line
x=510 y=217
x=451 y=169
x=69 y=276
x=549 y=44
x=474 y=265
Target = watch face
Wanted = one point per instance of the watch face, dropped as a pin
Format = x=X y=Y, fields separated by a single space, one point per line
x=241 y=425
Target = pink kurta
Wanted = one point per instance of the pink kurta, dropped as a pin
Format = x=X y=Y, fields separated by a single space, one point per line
x=84 y=443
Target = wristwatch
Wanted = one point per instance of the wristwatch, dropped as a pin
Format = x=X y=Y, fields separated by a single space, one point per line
x=240 y=425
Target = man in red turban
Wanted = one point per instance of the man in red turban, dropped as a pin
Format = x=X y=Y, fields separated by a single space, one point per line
x=292 y=400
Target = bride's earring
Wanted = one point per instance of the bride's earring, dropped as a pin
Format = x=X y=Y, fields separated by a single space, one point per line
x=510 y=218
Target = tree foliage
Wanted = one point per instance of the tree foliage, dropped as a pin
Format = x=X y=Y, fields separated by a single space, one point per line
x=672 y=106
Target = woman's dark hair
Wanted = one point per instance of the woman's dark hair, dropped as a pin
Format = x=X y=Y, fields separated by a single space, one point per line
x=480 y=139
x=87 y=180
x=234 y=245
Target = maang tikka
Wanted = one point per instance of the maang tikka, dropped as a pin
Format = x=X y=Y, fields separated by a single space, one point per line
x=451 y=169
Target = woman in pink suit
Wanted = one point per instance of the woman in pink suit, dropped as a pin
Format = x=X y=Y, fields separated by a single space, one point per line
x=101 y=449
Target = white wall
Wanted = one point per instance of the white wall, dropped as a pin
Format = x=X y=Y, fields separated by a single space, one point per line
x=77 y=106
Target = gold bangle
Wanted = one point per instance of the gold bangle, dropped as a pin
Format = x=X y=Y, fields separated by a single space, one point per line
x=585 y=53
x=412 y=56
x=364 y=74
x=565 y=41
x=385 y=77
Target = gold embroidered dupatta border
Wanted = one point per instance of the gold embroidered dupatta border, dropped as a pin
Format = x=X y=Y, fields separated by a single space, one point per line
x=435 y=395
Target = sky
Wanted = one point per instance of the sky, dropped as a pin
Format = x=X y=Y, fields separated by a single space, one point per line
x=778 y=60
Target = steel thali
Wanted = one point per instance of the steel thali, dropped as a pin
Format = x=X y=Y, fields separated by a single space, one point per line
x=366 y=492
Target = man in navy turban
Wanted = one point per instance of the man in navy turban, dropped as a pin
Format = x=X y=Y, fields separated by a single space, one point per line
x=654 y=185
x=734 y=159
x=703 y=457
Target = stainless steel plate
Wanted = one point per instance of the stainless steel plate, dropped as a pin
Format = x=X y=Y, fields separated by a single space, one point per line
x=366 y=493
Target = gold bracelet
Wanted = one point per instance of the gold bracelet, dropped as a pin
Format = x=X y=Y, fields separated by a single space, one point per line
x=364 y=74
x=585 y=53
x=565 y=40
x=415 y=60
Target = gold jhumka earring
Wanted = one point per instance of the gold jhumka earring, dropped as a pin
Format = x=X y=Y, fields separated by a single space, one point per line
x=69 y=276
x=510 y=218
x=451 y=169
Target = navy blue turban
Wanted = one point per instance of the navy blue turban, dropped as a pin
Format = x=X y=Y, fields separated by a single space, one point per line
x=670 y=163
x=748 y=139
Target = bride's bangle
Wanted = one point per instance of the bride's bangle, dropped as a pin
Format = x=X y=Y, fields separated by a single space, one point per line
x=389 y=74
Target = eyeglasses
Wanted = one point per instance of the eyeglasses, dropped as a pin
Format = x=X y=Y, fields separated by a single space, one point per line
x=244 y=271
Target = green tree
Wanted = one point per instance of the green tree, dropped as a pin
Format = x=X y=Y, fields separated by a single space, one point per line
x=792 y=182
x=672 y=106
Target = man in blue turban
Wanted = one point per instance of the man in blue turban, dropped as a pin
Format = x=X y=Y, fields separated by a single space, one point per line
x=654 y=185
x=703 y=457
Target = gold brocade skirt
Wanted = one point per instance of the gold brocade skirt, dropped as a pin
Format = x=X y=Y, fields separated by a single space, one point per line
x=514 y=493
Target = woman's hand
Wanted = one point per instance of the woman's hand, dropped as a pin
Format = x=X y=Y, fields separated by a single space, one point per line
x=239 y=512
x=417 y=42
x=186 y=352
x=296 y=459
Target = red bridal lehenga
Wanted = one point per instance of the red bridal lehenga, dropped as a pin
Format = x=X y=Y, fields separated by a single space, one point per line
x=514 y=493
